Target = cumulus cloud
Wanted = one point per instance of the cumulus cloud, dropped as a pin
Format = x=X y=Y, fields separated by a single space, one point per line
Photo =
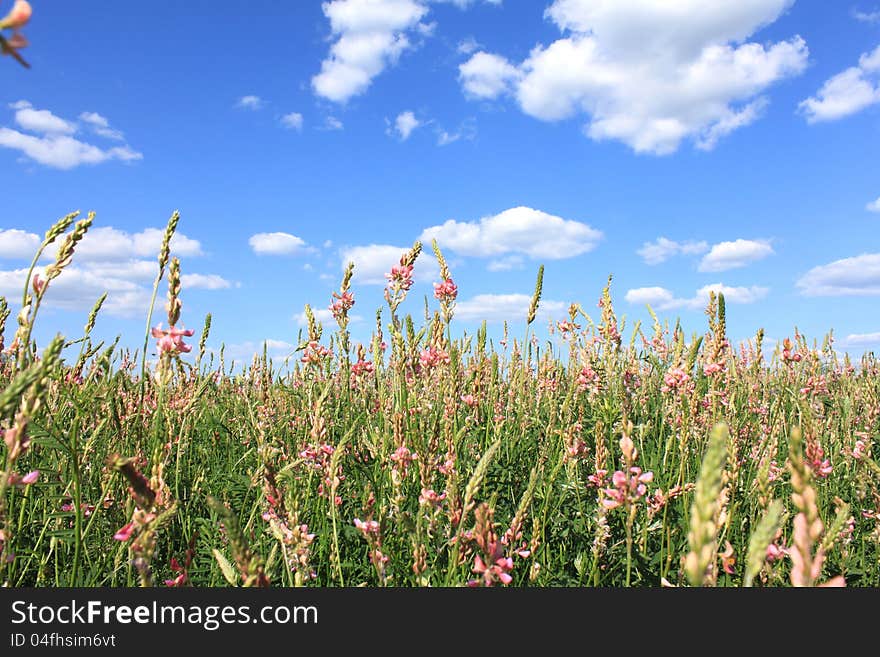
x=467 y=130
x=293 y=120
x=373 y=261
x=18 y=244
x=324 y=316
x=404 y=125
x=505 y=307
x=277 y=244
x=101 y=126
x=856 y=276
x=368 y=36
x=867 y=16
x=519 y=230
x=487 y=76
x=660 y=298
x=249 y=102
x=332 y=123
x=873 y=206
x=855 y=340
x=661 y=250
x=732 y=255
x=53 y=144
x=106 y=260
x=846 y=93
x=649 y=73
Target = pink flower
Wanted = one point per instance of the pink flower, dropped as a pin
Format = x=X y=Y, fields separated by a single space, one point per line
x=859 y=451
x=400 y=277
x=343 y=304
x=171 y=341
x=38 y=283
x=675 y=378
x=125 y=533
x=775 y=552
x=18 y=16
x=430 y=497
x=26 y=480
x=445 y=291
x=367 y=527
x=626 y=489
x=712 y=368
x=432 y=356
x=469 y=400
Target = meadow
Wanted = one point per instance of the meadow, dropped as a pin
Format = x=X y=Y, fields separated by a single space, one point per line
x=597 y=455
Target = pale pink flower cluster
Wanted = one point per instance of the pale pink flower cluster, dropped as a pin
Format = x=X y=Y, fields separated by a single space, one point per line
x=400 y=277
x=445 y=291
x=860 y=450
x=675 y=379
x=342 y=304
x=171 y=340
x=18 y=480
x=627 y=489
x=789 y=355
x=469 y=400
x=403 y=458
x=498 y=571
x=362 y=367
x=367 y=527
x=433 y=356
x=816 y=456
x=713 y=368
x=430 y=497
x=588 y=379
x=315 y=352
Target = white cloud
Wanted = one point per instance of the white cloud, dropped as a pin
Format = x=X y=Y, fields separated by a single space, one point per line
x=369 y=35
x=873 y=206
x=405 y=123
x=63 y=152
x=18 y=244
x=277 y=244
x=324 y=316
x=53 y=145
x=505 y=307
x=373 y=261
x=732 y=255
x=856 y=276
x=487 y=76
x=846 y=93
x=519 y=230
x=649 y=73
x=467 y=130
x=293 y=120
x=250 y=102
x=661 y=250
x=332 y=123
x=106 y=260
x=204 y=282
x=101 y=126
x=467 y=46
x=101 y=243
x=867 y=16
x=76 y=289
x=860 y=340
x=730 y=121
x=507 y=263
x=660 y=298
x=41 y=121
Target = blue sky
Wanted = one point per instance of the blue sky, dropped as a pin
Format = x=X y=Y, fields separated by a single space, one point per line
x=678 y=147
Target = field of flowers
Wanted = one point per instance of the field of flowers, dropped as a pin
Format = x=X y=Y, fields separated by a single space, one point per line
x=603 y=456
